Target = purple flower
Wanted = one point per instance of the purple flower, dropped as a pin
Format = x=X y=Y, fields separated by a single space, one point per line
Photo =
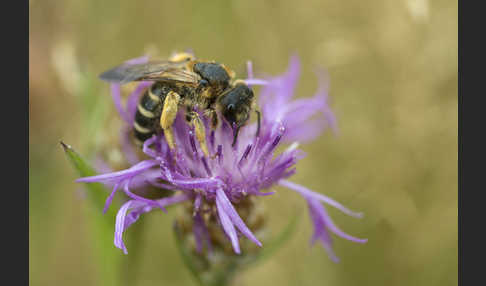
x=232 y=173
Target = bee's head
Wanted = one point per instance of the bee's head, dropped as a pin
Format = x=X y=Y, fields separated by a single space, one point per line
x=213 y=76
x=236 y=104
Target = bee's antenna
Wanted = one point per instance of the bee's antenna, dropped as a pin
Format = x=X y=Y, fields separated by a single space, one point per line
x=235 y=136
x=258 y=123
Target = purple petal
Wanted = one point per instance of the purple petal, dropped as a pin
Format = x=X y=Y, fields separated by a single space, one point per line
x=101 y=166
x=144 y=208
x=256 y=81
x=142 y=199
x=120 y=226
x=146 y=147
x=206 y=166
x=116 y=95
x=124 y=220
x=332 y=227
x=306 y=132
x=228 y=227
x=291 y=77
x=197 y=203
x=127 y=146
x=198 y=237
x=225 y=204
x=295 y=117
x=141 y=180
x=320 y=219
x=249 y=69
x=301 y=109
x=173 y=200
x=110 y=198
x=162 y=185
x=196 y=183
x=279 y=90
x=323 y=79
x=276 y=104
x=201 y=233
x=320 y=230
x=308 y=193
x=124 y=174
x=128 y=113
x=245 y=155
x=262 y=194
x=136 y=61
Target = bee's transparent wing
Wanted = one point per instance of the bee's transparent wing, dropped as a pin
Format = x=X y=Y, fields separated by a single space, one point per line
x=154 y=70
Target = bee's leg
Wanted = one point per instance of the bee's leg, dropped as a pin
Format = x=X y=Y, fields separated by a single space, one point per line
x=213 y=118
x=258 y=122
x=169 y=113
x=189 y=110
x=212 y=115
x=200 y=130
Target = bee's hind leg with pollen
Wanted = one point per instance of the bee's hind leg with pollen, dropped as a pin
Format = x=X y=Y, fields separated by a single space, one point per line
x=169 y=113
x=200 y=131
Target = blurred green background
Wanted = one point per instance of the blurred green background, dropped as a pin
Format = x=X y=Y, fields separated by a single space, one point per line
x=393 y=71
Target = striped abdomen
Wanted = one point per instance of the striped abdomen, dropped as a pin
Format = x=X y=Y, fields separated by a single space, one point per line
x=148 y=112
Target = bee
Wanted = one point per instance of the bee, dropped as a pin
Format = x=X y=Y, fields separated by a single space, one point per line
x=185 y=82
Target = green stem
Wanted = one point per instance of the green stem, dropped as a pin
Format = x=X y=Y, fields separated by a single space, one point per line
x=107 y=256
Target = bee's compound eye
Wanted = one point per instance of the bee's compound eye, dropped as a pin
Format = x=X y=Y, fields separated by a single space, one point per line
x=203 y=83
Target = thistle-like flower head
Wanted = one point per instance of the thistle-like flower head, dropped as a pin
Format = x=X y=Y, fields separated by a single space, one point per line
x=216 y=184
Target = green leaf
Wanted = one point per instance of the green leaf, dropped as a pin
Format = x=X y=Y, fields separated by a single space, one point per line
x=97 y=192
x=107 y=255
